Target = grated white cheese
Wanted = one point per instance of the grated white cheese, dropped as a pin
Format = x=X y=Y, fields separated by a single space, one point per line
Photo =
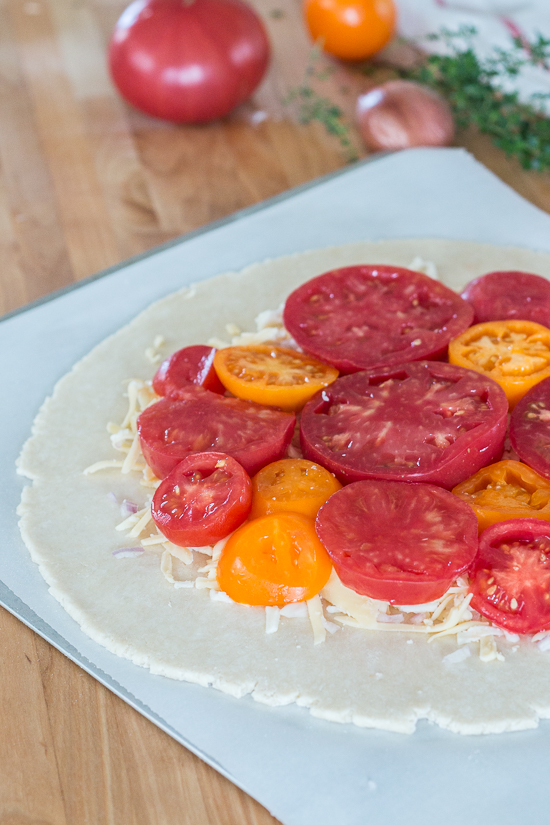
x=426 y=267
x=272 y=618
x=315 y=611
x=457 y=656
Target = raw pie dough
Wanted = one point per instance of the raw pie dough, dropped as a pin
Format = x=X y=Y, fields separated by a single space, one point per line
x=369 y=678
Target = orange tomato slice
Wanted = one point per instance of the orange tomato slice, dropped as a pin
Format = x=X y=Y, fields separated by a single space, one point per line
x=274 y=560
x=270 y=375
x=351 y=29
x=506 y=490
x=291 y=484
x=516 y=354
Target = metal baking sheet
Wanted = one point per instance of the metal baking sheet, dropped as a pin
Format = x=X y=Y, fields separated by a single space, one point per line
x=304 y=770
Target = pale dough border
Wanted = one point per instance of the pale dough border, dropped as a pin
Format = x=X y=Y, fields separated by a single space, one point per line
x=67 y=521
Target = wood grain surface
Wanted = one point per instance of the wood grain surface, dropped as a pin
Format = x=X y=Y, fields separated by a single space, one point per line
x=85 y=181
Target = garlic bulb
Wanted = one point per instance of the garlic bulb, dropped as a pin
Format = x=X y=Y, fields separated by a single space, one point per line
x=400 y=114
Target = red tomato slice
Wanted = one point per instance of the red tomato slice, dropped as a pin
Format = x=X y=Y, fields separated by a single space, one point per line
x=190 y=365
x=511 y=575
x=400 y=543
x=203 y=499
x=360 y=317
x=530 y=428
x=171 y=429
x=498 y=296
x=424 y=421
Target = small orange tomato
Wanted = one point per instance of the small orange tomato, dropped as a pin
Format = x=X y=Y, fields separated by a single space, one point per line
x=291 y=484
x=515 y=354
x=351 y=29
x=275 y=376
x=506 y=490
x=274 y=560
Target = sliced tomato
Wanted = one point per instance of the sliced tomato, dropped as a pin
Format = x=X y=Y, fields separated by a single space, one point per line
x=506 y=490
x=400 y=543
x=530 y=428
x=172 y=428
x=275 y=376
x=423 y=421
x=360 y=317
x=515 y=354
x=190 y=365
x=510 y=578
x=498 y=296
x=291 y=484
x=203 y=499
x=274 y=560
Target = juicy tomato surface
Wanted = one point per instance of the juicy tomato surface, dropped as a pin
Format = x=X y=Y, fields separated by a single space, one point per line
x=351 y=29
x=171 y=428
x=510 y=578
x=203 y=499
x=506 y=490
x=291 y=484
x=498 y=296
x=271 y=375
x=274 y=560
x=362 y=317
x=530 y=428
x=190 y=365
x=516 y=354
x=423 y=421
x=400 y=543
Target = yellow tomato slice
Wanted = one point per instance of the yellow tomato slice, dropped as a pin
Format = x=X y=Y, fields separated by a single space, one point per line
x=516 y=354
x=272 y=375
x=506 y=490
x=274 y=560
x=291 y=484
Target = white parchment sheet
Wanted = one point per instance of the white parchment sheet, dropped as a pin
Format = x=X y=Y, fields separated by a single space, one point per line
x=304 y=770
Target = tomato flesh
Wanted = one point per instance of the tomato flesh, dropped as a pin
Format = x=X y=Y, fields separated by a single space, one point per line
x=274 y=560
x=511 y=575
x=190 y=365
x=203 y=499
x=350 y=29
x=530 y=428
x=515 y=354
x=396 y=542
x=497 y=296
x=506 y=490
x=272 y=375
x=291 y=484
x=361 y=317
x=171 y=429
x=424 y=421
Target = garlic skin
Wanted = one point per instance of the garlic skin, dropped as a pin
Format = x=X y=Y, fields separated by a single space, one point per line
x=400 y=114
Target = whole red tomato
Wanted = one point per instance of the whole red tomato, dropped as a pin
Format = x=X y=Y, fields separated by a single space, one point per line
x=188 y=61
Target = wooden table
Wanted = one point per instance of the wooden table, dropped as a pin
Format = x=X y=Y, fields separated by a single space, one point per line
x=84 y=183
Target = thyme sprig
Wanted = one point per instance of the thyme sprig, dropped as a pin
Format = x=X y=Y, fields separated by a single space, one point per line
x=478 y=91
x=312 y=106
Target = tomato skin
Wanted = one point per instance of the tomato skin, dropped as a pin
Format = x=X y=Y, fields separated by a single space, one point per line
x=171 y=428
x=190 y=365
x=530 y=428
x=504 y=491
x=351 y=29
x=188 y=62
x=498 y=296
x=271 y=375
x=203 y=499
x=423 y=421
x=374 y=316
x=515 y=354
x=291 y=484
x=274 y=560
x=397 y=542
x=510 y=578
